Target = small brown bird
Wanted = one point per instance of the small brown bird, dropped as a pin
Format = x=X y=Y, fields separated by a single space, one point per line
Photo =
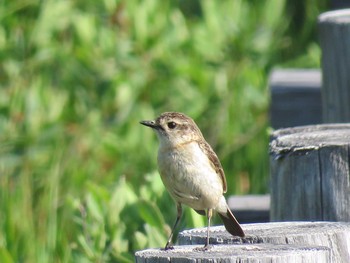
x=191 y=171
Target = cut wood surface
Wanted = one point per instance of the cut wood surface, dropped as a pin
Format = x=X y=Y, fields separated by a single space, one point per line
x=334 y=235
x=248 y=253
x=334 y=32
x=310 y=177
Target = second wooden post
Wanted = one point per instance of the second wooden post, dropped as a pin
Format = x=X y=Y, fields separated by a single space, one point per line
x=310 y=178
x=334 y=29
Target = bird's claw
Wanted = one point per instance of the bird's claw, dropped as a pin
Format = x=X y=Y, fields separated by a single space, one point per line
x=202 y=249
x=168 y=246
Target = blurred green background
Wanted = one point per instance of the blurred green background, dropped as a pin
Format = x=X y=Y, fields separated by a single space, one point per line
x=78 y=175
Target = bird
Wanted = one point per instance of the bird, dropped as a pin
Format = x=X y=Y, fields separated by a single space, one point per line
x=191 y=171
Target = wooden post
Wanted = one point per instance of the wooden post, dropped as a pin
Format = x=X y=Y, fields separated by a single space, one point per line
x=262 y=241
x=310 y=177
x=250 y=208
x=295 y=97
x=333 y=235
x=334 y=32
x=239 y=253
x=338 y=4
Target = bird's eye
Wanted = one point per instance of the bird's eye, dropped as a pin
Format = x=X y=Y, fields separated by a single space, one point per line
x=171 y=125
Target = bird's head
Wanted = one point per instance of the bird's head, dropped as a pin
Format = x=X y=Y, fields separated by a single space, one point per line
x=174 y=128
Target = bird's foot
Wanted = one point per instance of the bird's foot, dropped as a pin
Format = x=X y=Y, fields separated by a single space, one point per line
x=168 y=246
x=202 y=249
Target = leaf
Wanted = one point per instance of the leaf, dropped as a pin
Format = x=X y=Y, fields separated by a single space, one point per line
x=155 y=237
x=196 y=220
x=94 y=207
x=85 y=246
x=151 y=214
x=5 y=256
x=123 y=196
x=140 y=240
x=124 y=258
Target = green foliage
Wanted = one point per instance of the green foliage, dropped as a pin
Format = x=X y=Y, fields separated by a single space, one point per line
x=78 y=180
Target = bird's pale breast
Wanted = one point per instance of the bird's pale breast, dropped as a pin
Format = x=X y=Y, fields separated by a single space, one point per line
x=189 y=177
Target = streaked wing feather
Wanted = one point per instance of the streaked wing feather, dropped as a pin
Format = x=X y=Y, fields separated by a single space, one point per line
x=215 y=162
x=182 y=195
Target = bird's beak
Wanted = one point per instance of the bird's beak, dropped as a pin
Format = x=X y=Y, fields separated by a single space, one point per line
x=151 y=124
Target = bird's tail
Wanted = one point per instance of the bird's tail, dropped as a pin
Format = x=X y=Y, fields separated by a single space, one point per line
x=231 y=223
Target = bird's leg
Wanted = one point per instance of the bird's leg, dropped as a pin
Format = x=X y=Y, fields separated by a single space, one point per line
x=207 y=245
x=209 y=215
x=179 y=214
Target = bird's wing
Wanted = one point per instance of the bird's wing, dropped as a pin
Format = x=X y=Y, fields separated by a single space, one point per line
x=214 y=161
x=180 y=195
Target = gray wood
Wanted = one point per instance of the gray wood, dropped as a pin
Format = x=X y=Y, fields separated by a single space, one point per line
x=334 y=235
x=295 y=188
x=334 y=32
x=250 y=208
x=309 y=169
x=335 y=182
x=295 y=97
x=339 y=4
x=264 y=253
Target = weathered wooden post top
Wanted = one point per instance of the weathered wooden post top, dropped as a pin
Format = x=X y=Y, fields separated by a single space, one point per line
x=265 y=242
